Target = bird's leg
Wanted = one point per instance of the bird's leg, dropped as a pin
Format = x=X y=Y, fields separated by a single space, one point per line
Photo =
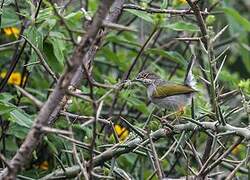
x=168 y=116
x=178 y=114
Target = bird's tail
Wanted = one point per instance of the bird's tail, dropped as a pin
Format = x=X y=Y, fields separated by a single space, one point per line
x=189 y=78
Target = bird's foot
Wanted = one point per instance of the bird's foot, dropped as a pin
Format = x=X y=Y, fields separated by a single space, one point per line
x=167 y=124
x=180 y=111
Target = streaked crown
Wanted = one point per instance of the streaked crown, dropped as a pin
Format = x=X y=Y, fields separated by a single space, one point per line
x=147 y=77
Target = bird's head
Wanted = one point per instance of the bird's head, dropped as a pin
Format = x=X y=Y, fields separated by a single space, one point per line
x=147 y=78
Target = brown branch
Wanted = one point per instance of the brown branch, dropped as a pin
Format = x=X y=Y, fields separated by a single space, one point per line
x=35 y=134
x=33 y=99
x=218 y=161
x=162 y=11
x=156 y=159
x=115 y=11
x=63 y=22
x=200 y=20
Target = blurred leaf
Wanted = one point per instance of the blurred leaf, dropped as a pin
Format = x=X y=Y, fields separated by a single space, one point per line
x=230 y=80
x=245 y=85
x=141 y=14
x=245 y=53
x=58 y=45
x=11 y=144
x=44 y=15
x=53 y=54
x=21 y=118
x=5 y=106
x=182 y=26
x=5 y=97
x=171 y=55
x=121 y=40
x=9 y=18
x=48 y=25
x=74 y=18
x=36 y=38
x=51 y=145
x=117 y=58
x=17 y=130
x=238 y=18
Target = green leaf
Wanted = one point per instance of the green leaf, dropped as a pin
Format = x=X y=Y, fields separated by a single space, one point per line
x=117 y=58
x=11 y=144
x=5 y=106
x=48 y=25
x=5 y=97
x=74 y=18
x=245 y=53
x=44 y=15
x=17 y=130
x=122 y=40
x=21 y=118
x=9 y=18
x=36 y=38
x=182 y=26
x=51 y=145
x=238 y=18
x=58 y=45
x=141 y=14
x=170 y=55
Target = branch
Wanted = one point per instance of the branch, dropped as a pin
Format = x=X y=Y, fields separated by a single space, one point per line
x=133 y=144
x=200 y=20
x=35 y=134
x=162 y=11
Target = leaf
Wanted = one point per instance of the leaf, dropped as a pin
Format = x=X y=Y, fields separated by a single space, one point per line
x=5 y=97
x=54 y=49
x=58 y=45
x=74 y=18
x=245 y=53
x=51 y=145
x=48 y=25
x=21 y=118
x=44 y=15
x=122 y=40
x=36 y=38
x=238 y=18
x=17 y=130
x=141 y=14
x=5 y=106
x=117 y=58
x=9 y=18
x=182 y=26
x=171 y=55
x=11 y=144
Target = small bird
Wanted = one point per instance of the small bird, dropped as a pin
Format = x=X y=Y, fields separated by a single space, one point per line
x=168 y=95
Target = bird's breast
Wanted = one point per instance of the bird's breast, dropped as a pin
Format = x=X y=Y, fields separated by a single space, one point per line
x=150 y=91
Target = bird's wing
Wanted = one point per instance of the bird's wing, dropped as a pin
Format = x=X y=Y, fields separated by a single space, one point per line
x=162 y=91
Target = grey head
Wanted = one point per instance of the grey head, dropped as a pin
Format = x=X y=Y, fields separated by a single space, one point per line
x=147 y=78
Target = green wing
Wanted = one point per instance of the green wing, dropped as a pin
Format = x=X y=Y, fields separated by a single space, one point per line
x=171 y=89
